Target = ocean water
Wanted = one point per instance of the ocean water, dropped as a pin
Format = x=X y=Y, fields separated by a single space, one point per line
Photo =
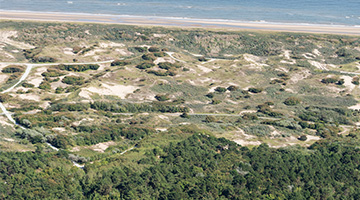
x=329 y=12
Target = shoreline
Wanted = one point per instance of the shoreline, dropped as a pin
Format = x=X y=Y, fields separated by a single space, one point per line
x=179 y=22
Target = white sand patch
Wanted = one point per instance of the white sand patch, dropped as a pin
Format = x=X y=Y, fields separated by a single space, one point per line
x=4 y=121
x=124 y=52
x=92 y=52
x=309 y=55
x=116 y=90
x=35 y=81
x=191 y=82
x=347 y=82
x=81 y=121
x=8 y=55
x=303 y=74
x=3 y=78
x=312 y=137
x=207 y=79
x=290 y=90
x=164 y=59
x=4 y=37
x=356 y=107
x=87 y=32
x=288 y=60
x=144 y=45
x=287 y=54
x=319 y=65
x=212 y=89
x=32 y=112
x=45 y=105
x=101 y=147
x=159 y=35
x=32 y=97
x=254 y=60
x=68 y=51
x=9 y=139
x=317 y=52
x=243 y=139
x=85 y=94
x=110 y=44
x=232 y=102
x=59 y=129
x=163 y=117
x=247 y=111
x=204 y=69
x=57 y=84
x=15 y=51
x=196 y=55
x=161 y=129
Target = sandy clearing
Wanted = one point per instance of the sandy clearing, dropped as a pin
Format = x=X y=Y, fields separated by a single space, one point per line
x=303 y=74
x=319 y=65
x=92 y=52
x=68 y=51
x=313 y=137
x=7 y=55
x=247 y=111
x=157 y=35
x=347 y=82
x=110 y=44
x=58 y=129
x=231 y=101
x=124 y=52
x=82 y=120
x=309 y=55
x=288 y=60
x=244 y=140
x=287 y=54
x=36 y=78
x=32 y=112
x=196 y=55
x=161 y=129
x=4 y=37
x=101 y=147
x=3 y=78
x=85 y=94
x=204 y=69
x=356 y=107
x=35 y=81
x=163 y=117
x=164 y=59
x=29 y=96
x=254 y=59
x=116 y=90
x=316 y=52
x=4 y=121
x=57 y=84
x=9 y=139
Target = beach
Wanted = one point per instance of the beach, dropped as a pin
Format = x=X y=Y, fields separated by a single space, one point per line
x=179 y=22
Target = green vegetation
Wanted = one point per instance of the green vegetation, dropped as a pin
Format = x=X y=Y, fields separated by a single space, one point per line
x=150 y=124
x=73 y=80
x=205 y=167
x=79 y=68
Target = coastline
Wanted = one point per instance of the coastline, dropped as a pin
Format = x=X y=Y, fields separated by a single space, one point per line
x=179 y=22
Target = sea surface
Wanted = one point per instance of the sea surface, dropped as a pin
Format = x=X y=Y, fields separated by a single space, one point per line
x=328 y=12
